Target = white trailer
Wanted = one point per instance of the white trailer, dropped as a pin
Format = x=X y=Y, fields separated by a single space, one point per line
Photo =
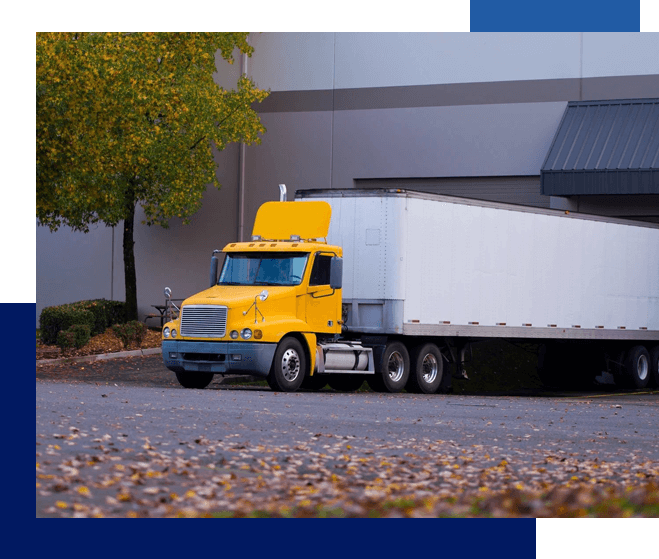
x=431 y=272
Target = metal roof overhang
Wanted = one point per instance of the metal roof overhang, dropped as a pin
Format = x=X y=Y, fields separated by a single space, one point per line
x=604 y=147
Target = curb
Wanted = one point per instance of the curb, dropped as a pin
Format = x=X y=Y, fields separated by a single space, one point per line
x=133 y=353
x=101 y=356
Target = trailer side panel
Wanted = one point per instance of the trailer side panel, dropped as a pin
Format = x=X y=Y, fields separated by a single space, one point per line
x=426 y=265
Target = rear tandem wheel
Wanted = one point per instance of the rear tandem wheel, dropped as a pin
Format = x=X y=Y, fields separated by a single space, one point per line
x=427 y=368
x=392 y=372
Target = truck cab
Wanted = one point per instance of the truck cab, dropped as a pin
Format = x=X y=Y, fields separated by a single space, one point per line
x=275 y=299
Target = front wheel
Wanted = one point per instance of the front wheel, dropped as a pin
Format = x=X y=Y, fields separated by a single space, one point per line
x=288 y=367
x=194 y=380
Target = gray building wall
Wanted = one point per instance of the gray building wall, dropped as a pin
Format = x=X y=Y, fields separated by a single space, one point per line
x=440 y=111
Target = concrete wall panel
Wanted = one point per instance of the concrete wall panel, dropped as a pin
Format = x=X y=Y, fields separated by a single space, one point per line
x=620 y=54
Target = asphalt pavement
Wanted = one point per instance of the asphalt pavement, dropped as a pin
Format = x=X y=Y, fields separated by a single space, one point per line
x=131 y=413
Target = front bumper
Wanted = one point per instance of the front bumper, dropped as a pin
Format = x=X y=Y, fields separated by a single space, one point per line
x=218 y=357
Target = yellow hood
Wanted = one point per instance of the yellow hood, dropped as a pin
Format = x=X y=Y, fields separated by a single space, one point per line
x=281 y=299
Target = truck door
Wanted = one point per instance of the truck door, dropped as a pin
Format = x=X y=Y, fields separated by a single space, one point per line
x=323 y=303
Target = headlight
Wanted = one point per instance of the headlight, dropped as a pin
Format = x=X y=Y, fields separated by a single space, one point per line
x=165 y=332
x=234 y=334
x=173 y=333
x=246 y=333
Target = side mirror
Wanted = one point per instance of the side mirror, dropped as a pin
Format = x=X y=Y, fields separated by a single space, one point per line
x=336 y=272
x=168 y=292
x=214 y=265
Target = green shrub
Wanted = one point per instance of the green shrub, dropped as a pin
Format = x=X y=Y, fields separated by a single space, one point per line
x=57 y=319
x=130 y=332
x=75 y=336
x=106 y=313
x=103 y=314
x=65 y=339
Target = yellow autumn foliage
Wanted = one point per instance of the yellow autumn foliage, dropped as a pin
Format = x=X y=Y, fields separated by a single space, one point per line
x=115 y=109
x=128 y=119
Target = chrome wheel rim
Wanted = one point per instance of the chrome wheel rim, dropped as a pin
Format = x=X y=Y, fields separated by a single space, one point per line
x=290 y=365
x=396 y=366
x=642 y=367
x=430 y=368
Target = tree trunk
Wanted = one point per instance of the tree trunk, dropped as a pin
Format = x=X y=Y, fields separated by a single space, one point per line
x=130 y=275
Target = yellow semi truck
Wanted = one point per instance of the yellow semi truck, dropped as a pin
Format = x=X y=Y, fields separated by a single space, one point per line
x=274 y=311
x=423 y=277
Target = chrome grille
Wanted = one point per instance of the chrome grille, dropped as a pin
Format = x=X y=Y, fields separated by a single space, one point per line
x=203 y=321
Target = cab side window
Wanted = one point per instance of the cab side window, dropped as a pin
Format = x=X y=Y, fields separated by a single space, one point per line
x=320 y=273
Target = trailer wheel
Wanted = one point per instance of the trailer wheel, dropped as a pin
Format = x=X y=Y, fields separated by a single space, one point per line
x=288 y=366
x=427 y=368
x=637 y=366
x=194 y=380
x=346 y=382
x=654 y=365
x=393 y=370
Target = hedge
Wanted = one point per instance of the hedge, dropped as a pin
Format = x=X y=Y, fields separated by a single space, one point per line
x=76 y=336
x=130 y=332
x=99 y=314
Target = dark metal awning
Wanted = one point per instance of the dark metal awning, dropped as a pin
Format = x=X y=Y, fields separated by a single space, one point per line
x=604 y=147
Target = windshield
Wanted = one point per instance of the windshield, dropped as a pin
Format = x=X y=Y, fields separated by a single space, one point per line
x=263 y=268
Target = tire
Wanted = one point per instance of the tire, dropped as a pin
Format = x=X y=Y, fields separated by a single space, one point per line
x=654 y=366
x=393 y=370
x=637 y=367
x=194 y=380
x=289 y=366
x=348 y=382
x=427 y=370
